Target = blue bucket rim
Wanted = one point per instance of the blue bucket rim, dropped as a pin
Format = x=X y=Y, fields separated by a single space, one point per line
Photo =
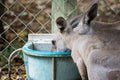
x=31 y=52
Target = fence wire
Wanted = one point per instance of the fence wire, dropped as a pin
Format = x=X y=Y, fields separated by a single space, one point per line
x=18 y=18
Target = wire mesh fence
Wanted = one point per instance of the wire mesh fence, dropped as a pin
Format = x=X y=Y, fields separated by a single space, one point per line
x=18 y=18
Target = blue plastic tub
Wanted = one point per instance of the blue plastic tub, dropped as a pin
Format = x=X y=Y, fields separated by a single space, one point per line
x=45 y=65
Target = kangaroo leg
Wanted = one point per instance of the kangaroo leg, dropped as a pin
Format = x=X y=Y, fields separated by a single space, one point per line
x=80 y=64
x=82 y=69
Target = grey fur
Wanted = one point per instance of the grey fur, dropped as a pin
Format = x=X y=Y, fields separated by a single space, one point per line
x=95 y=48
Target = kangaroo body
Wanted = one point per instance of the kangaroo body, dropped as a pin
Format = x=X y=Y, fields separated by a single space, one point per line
x=95 y=46
x=97 y=54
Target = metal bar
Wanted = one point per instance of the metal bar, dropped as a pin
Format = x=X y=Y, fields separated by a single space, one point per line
x=9 y=62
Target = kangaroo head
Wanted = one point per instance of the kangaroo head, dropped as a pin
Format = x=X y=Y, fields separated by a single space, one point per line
x=68 y=30
x=63 y=36
x=58 y=44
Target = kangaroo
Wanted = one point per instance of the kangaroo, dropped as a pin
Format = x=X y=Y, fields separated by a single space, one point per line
x=95 y=46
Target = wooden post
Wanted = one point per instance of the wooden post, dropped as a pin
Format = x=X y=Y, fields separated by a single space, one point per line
x=64 y=8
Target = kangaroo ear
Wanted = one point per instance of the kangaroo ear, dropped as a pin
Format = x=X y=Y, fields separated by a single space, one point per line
x=61 y=23
x=91 y=14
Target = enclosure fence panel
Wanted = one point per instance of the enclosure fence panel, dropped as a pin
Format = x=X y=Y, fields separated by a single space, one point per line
x=18 y=18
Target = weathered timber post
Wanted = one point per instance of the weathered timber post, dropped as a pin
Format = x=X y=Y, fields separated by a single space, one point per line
x=64 y=8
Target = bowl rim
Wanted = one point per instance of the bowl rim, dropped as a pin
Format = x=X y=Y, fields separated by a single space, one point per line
x=26 y=50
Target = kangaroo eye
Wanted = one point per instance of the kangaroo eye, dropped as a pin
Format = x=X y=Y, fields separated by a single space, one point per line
x=53 y=42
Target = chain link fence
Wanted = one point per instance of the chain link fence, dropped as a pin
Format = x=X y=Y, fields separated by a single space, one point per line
x=18 y=18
